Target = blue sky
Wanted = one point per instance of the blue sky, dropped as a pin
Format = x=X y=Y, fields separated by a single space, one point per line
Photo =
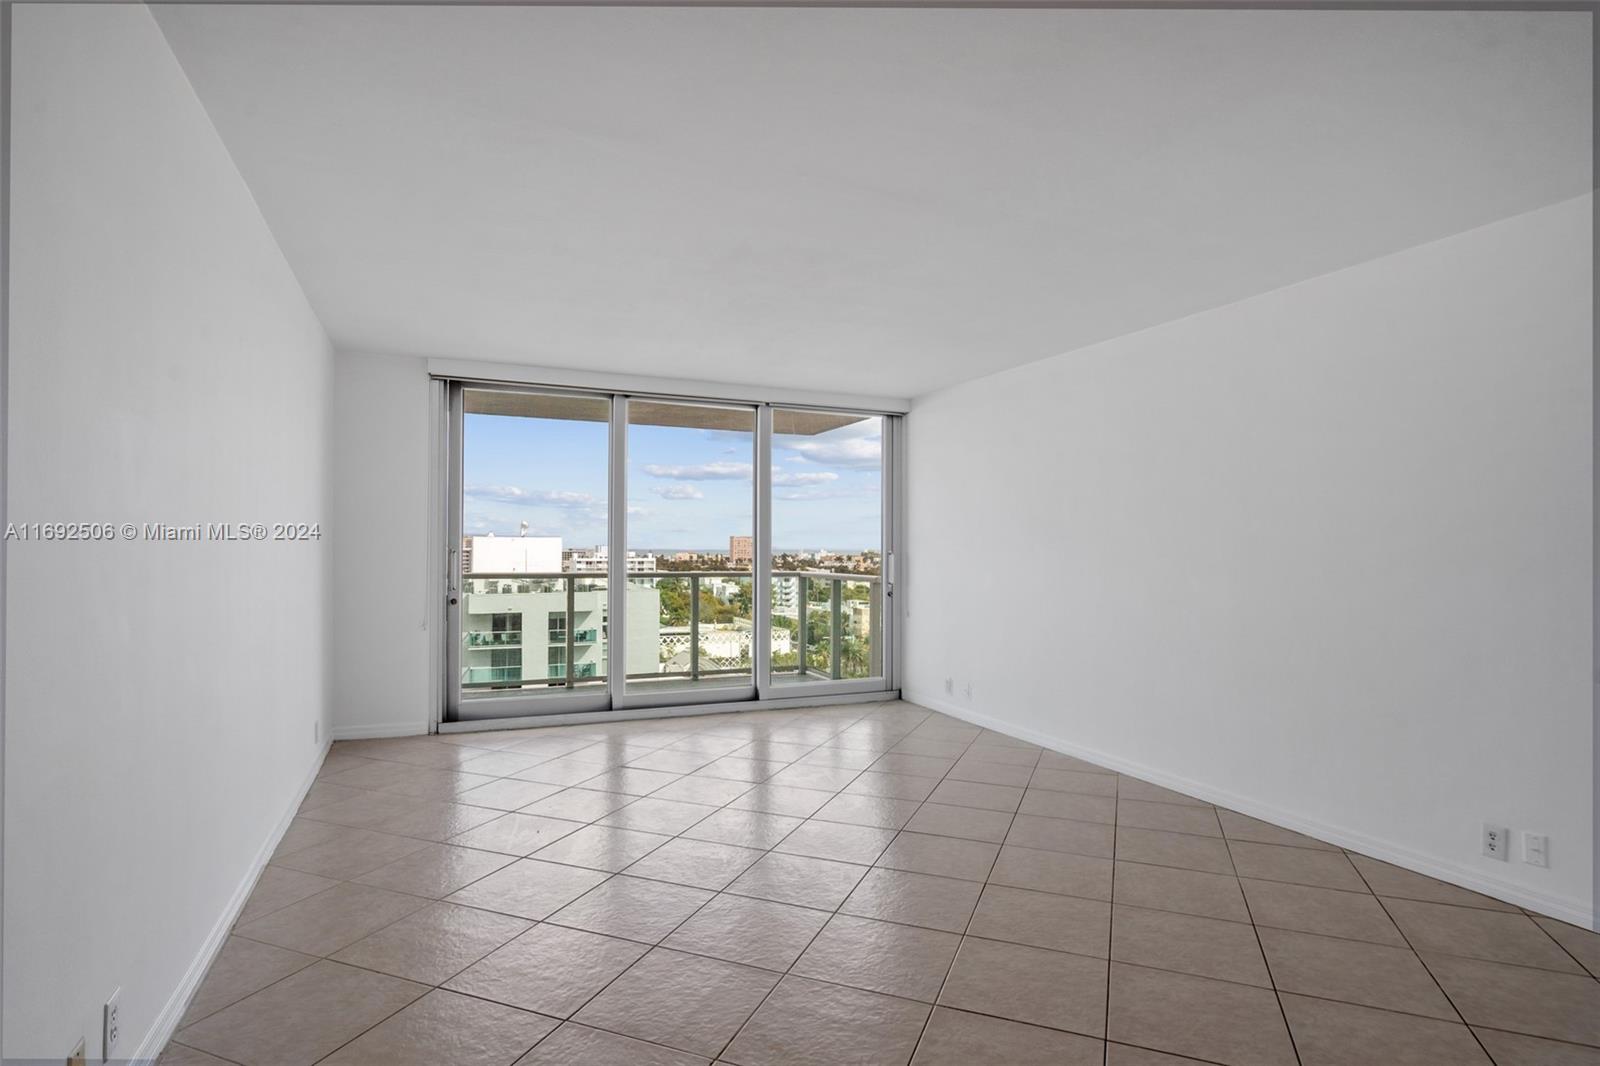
x=687 y=488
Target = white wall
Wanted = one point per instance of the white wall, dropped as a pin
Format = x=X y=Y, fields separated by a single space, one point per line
x=161 y=698
x=381 y=646
x=1323 y=554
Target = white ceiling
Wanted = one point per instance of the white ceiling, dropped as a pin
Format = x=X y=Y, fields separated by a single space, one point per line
x=876 y=201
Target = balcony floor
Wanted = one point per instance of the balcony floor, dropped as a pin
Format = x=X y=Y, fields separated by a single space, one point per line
x=872 y=883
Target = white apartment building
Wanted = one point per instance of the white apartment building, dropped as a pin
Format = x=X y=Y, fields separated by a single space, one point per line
x=596 y=560
x=786 y=597
x=511 y=555
x=516 y=630
x=723 y=646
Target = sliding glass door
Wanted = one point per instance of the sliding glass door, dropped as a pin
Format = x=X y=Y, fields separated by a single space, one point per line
x=828 y=529
x=690 y=525
x=528 y=584
x=739 y=549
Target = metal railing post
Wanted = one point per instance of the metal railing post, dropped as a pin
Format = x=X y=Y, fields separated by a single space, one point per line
x=694 y=627
x=572 y=592
x=803 y=588
x=835 y=661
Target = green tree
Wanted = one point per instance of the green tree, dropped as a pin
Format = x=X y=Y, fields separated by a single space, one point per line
x=674 y=602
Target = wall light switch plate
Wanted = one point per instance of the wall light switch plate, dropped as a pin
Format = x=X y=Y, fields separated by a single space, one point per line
x=1496 y=841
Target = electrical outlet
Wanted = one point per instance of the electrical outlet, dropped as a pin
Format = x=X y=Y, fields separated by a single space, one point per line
x=949 y=686
x=113 y=1026
x=967 y=691
x=1535 y=849
x=1495 y=841
x=78 y=1057
x=316 y=731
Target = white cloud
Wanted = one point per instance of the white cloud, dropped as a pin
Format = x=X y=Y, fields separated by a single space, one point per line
x=679 y=492
x=531 y=497
x=817 y=477
x=820 y=494
x=858 y=445
x=850 y=451
x=701 y=472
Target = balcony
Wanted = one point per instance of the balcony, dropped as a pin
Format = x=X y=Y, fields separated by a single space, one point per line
x=837 y=620
x=509 y=638
x=491 y=675
x=688 y=628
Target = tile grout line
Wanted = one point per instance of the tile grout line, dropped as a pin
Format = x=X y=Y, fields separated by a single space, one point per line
x=327 y=958
x=965 y=752
x=714 y=895
x=1424 y=962
x=839 y=984
x=431 y=988
x=1277 y=995
x=203 y=1051
x=790 y=968
x=1563 y=1041
x=598 y=992
x=1224 y=838
x=648 y=946
x=455 y=799
x=1111 y=921
x=961 y=942
x=1577 y=961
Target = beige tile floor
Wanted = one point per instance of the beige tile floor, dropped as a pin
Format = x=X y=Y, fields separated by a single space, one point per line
x=869 y=884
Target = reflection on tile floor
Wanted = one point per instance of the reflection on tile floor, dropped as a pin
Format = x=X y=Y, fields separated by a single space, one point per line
x=870 y=884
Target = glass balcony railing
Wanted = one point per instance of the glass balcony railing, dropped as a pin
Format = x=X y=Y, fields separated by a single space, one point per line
x=833 y=624
x=510 y=638
x=549 y=611
x=702 y=622
x=683 y=627
x=491 y=675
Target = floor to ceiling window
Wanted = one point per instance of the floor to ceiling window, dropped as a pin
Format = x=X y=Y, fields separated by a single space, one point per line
x=691 y=520
x=606 y=551
x=827 y=546
x=530 y=603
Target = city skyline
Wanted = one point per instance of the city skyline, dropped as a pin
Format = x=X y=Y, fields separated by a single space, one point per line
x=689 y=489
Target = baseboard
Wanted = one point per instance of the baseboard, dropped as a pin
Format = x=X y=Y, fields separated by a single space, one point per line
x=166 y=1022
x=381 y=729
x=1577 y=912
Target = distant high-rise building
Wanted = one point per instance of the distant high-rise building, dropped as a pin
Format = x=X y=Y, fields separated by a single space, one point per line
x=741 y=551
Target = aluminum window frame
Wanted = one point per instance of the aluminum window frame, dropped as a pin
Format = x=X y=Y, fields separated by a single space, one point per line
x=456 y=711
